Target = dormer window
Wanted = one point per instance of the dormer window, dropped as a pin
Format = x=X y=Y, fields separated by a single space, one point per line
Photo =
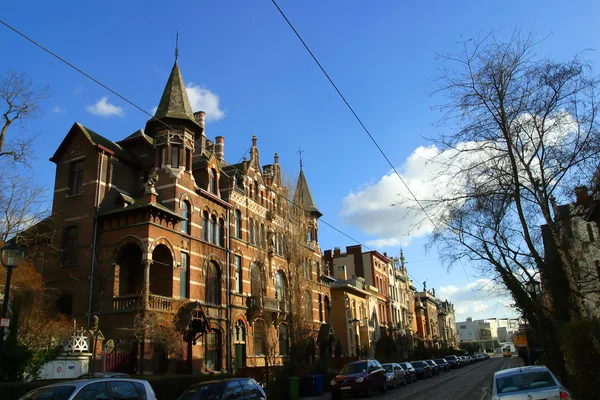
x=76 y=177
x=212 y=181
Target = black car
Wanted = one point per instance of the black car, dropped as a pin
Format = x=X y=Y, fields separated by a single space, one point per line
x=443 y=364
x=234 y=388
x=359 y=377
x=435 y=369
x=409 y=371
x=453 y=361
x=422 y=369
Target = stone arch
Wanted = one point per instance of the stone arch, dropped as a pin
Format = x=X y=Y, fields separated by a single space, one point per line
x=161 y=270
x=186 y=197
x=217 y=260
x=130 y=239
x=164 y=241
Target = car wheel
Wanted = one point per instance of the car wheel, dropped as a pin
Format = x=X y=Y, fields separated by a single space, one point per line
x=394 y=385
x=405 y=381
x=368 y=390
x=384 y=387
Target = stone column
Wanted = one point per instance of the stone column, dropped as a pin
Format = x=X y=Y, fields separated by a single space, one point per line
x=146 y=293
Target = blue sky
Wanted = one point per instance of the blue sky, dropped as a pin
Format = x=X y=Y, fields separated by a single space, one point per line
x=248 y=68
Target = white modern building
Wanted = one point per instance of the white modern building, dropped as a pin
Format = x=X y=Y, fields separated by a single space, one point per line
x=500 y=329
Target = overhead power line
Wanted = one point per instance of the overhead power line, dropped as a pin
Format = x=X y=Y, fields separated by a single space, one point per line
x=366 y=130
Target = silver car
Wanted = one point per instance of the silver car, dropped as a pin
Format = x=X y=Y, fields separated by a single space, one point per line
x=394 y=375
x=104 y=388
x=528 y=383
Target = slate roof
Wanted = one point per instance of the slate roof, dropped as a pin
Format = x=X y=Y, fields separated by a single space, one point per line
x=174 y=102
x=303 y=197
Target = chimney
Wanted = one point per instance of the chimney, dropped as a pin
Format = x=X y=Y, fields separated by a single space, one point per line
x=581 y=194
x=209 y=145
x=342 y=272
x=253 y=140
x=220 y=148
x=245 y=163
x=276 y=158
x=385 y=254
x=336 y=252
x=200 y=117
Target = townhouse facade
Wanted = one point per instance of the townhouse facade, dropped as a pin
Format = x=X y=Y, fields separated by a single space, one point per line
x=159 y=227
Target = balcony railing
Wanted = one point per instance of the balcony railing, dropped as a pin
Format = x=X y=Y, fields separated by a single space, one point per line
x=160 y=303
x=133 y=302
x=129 y=302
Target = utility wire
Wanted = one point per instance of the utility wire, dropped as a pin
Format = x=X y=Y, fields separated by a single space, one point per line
x=153 y=117
x=365 y=129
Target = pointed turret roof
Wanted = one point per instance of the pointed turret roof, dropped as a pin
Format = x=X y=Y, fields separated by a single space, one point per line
x=174 y=102
x=303 y=197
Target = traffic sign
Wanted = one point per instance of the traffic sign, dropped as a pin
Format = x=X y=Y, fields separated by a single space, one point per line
x=5 y=322
x=520 y=340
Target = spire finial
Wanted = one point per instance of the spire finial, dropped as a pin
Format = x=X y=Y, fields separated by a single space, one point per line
x=177 y=46
x=300 y=151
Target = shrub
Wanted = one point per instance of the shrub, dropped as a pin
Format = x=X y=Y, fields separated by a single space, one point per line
x=580 y=343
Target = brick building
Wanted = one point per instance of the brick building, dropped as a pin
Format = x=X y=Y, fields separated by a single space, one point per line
x=159 y=224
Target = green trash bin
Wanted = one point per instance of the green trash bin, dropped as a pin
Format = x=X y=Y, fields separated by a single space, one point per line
x=294 y=383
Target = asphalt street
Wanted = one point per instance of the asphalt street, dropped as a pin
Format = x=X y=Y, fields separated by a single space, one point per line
x=467 y=383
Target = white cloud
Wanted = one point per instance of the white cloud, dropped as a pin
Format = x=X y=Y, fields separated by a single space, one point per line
x=480 y=299
x=202 y=99
x=104 y=109
x=375 y=210
x=56 y=109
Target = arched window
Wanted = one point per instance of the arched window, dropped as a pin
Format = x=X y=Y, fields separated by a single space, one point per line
x=212 y=230
x=280 y=292
x=205 y=227
x=255 y=280
x=251 y=231
x=237 y=224
x=213 y=284
x=308 y=312
x=256 y=191
x=283 y=340
x=186 y=223
x=255 y=233
x=320 y=309
x=220 y=240
x=259 y=337
x=240 y=331
x=318 y=267
x=212 y=181
x=327 y=309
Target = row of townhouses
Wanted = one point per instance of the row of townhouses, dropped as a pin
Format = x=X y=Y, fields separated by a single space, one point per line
x=159 y=227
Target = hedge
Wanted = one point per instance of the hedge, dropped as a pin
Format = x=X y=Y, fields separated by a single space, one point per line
x=166 y=387
x=580 y=343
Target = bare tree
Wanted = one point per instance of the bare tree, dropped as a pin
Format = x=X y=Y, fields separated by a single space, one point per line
x=21 y=101
x=524 y=134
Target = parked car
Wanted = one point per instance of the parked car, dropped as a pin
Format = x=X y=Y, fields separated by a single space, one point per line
x=435 y=369
x=422 y=369
x=102 y=388
x=533 y=382
x=394 y=374
x=359 y=377
x=104 y=375
x=234 y=388
x=409 y=371
x=443 y=364
x=453 y=361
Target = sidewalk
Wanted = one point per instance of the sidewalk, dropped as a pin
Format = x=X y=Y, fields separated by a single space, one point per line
x=324 y=396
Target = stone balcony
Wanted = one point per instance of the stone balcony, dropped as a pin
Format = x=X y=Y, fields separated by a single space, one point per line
x=133 y=302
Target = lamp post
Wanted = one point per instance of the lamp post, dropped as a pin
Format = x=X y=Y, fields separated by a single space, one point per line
x=11 y=257
x=533 y=287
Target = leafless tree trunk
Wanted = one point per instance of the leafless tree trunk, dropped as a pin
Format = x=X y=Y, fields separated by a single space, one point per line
x=524 y=133
x=20 y=102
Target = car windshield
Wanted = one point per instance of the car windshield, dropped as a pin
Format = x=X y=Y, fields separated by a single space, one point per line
x=50 y=393
x=388 y=367
x=440 y=361
x=404 y=366
x=354 y=368
x=209 y=391
x=417 y=364
x=451 y=358
x=430 y=362
x=525 y=381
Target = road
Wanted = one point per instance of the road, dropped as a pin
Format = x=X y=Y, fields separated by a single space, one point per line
x=467 y=383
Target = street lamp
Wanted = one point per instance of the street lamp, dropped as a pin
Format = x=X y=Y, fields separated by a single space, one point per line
x=533 y=287
x=11 y=257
